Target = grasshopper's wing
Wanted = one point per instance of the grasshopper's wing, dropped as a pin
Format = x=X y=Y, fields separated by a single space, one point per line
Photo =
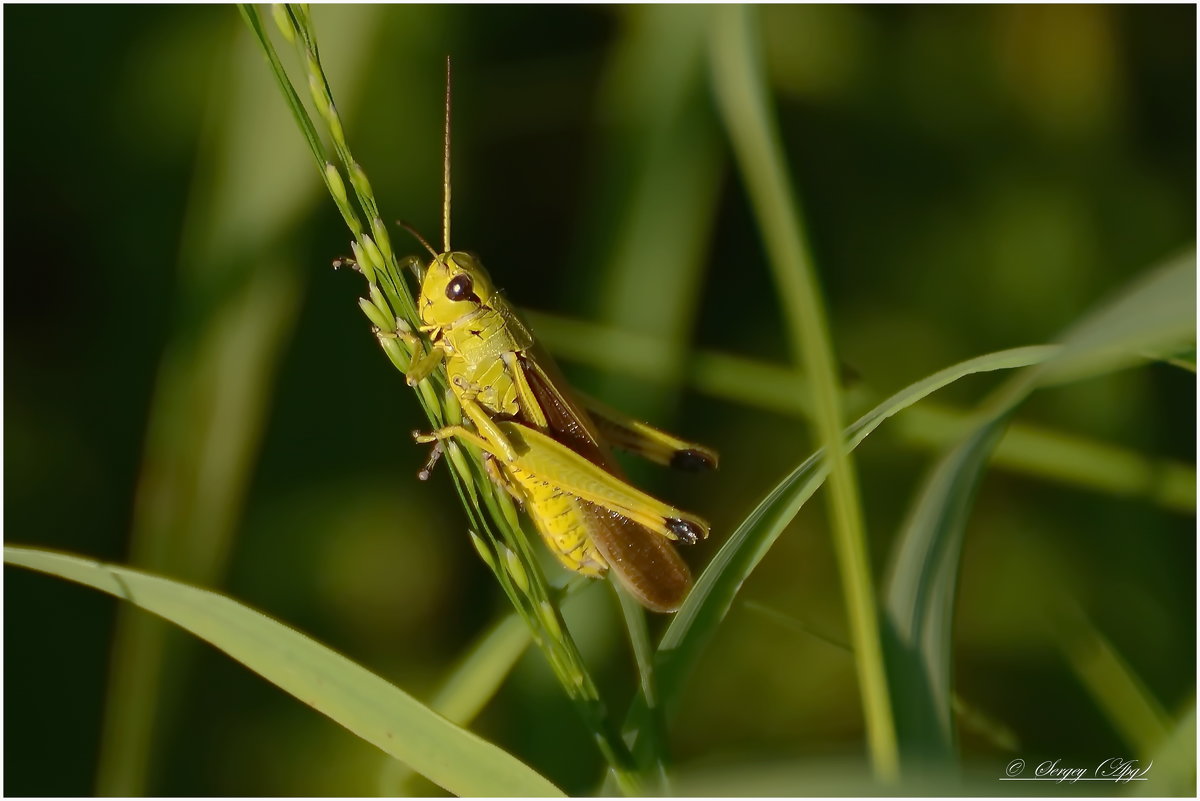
x=643 y=561
x=584 y=424
x=643 y=439
x=568 y=422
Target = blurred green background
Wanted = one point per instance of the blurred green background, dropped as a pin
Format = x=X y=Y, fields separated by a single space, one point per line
x=189 y=386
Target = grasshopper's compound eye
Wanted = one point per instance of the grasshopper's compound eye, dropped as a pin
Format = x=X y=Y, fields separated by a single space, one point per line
x=459 y=288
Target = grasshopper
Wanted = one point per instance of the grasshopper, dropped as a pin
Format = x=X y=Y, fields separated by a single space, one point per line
x=544 y=444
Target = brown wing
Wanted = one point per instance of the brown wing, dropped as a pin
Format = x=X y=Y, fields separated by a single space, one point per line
x=569 y=423
x=643 y=561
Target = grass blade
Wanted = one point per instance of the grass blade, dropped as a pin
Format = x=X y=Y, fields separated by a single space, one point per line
x=1155 y=314
x=469 y=687
x=346 y=692
x=710 y=600
x=718 y=584
x=1026 y=449
x=239 y=290
x=1156 y=311
x=652 y=755
x=922 y=597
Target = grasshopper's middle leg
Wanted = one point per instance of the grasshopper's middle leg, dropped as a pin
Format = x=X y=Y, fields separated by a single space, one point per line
x=487 y=436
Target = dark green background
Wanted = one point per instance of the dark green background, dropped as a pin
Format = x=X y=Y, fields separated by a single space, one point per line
x=973 y=178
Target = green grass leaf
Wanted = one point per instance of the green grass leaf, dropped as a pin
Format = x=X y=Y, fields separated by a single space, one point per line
x=473 y=682
x=1155 y=314
x=1157 y=311
x=240 y=287
x=921 y=598
x=1045 y=453
x=710 y=600
x=346 y=692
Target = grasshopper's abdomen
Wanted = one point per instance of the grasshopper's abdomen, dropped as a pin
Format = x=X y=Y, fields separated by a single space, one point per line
x=560 y=520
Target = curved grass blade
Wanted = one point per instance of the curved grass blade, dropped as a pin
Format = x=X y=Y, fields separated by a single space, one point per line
x=239 y=289
x=652 y=760
x=468 y=688
x=346 y=692
x=1027 y=449
x=502 y=544
x=711 y=598
x=1156 y=312
x=924 y=711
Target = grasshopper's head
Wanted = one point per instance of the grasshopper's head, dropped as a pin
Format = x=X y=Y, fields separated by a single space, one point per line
x=455 y=285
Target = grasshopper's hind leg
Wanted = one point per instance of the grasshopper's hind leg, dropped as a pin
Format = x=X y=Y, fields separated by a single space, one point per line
x=545 y=461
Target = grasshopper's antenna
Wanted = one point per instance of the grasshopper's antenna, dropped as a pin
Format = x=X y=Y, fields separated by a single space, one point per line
x=446 y=165
x=417 y=235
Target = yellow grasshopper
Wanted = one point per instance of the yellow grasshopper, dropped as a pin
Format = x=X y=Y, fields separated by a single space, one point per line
x=545 y=445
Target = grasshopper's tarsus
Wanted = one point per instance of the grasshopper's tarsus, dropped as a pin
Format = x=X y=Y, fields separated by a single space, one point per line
x=435 y=453
x=687 y=531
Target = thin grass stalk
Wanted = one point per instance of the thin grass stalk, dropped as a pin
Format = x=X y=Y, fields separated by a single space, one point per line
x=651 y=754
x=741 y=93
x=494 y=526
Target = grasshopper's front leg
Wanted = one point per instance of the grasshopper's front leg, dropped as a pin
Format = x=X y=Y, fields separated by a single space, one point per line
x=424 y=362
x=422 y=367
